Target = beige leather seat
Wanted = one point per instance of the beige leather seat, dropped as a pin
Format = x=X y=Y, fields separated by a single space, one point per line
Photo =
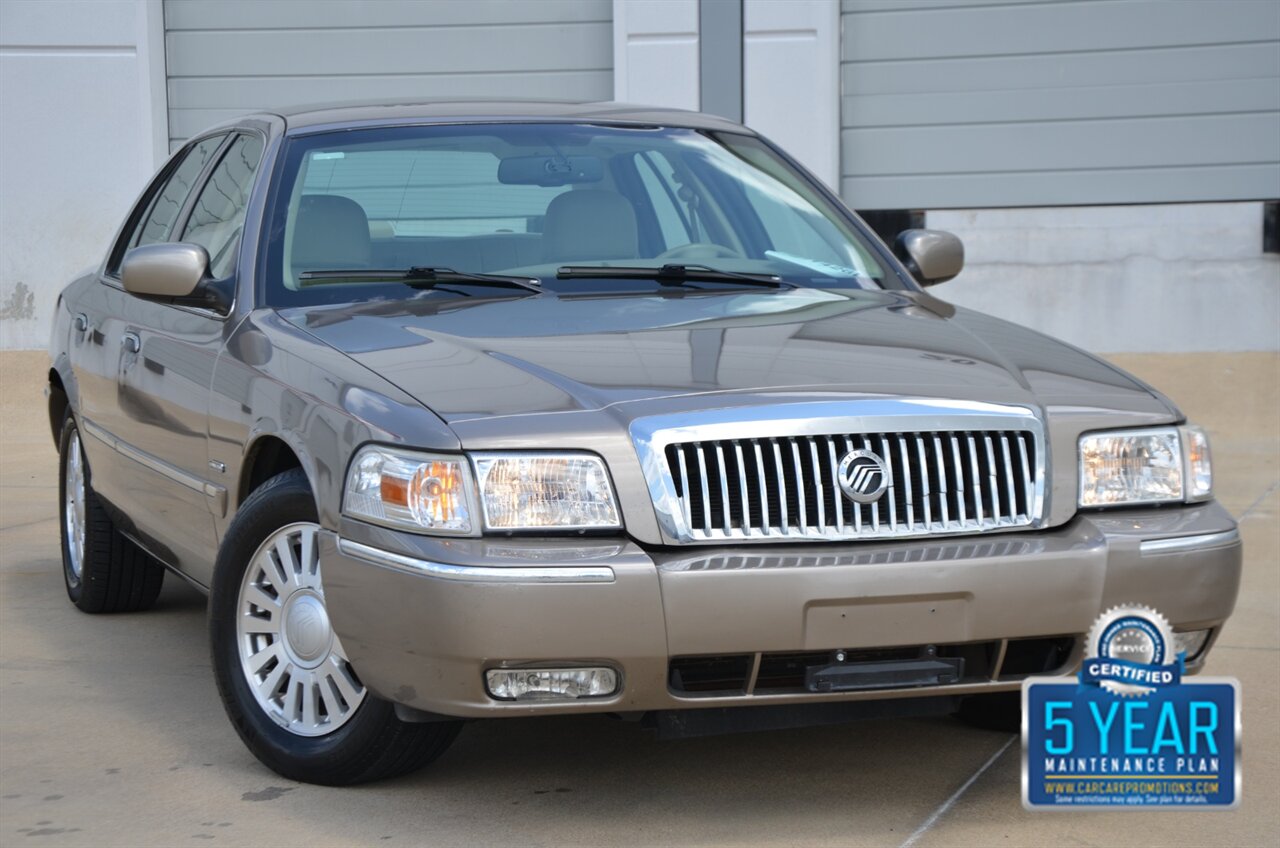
x=589 y=225
x=330 y=232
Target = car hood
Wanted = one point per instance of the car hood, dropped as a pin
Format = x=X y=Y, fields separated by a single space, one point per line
x=480 y=358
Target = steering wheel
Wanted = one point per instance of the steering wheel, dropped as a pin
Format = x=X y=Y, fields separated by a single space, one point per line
x=701 y=250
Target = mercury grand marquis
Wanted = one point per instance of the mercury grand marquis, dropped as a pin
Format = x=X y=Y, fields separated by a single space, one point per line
x=470 y=411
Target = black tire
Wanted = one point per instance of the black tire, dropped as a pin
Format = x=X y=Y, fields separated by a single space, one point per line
x=1000 y=711
x=373 y=744
x=115 y=575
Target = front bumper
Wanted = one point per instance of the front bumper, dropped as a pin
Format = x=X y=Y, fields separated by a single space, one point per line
x=422 y=619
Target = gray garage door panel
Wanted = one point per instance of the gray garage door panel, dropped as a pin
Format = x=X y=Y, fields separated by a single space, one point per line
x=1070 y=145
x=983 y=30
x=900 y=5
x=1062 y=104
x=1067 y=188
x=1049 y=71
x=246 y=94
x=954 y=104
x=228 y=58
x=294 y=14
x=404 y=51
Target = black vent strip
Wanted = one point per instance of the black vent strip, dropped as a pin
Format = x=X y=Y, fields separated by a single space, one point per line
x=1023 y=657
x=784 y=671
x=719 y=674
x=787 y=486
x=781 y=672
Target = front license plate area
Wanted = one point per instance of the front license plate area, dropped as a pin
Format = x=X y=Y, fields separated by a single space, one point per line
x=889 y=674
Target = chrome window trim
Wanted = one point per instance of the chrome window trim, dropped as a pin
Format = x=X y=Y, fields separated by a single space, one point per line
x=652 y=435
x=476 y=573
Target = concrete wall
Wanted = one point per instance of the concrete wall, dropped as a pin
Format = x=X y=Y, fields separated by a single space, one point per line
x=791 y=79
x=655 y=53
x=81 y=131
x=1178 y=277
x=790 y=68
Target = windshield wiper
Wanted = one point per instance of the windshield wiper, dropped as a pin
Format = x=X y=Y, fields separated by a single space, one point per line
x=418 y=277
x=670 y=275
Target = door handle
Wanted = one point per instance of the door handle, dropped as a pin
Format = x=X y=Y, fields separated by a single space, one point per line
x=82 y=323
x=131 y=342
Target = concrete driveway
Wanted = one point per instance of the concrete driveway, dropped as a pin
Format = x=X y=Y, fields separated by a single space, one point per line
x=111 y=732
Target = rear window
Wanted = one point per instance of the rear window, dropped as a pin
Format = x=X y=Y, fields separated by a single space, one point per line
x=428 y=192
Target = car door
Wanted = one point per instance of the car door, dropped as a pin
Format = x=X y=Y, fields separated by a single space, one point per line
x=166 y=369
x=100 y=312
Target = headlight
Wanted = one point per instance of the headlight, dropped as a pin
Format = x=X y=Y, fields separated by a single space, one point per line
x=413 y=491
x=437 y=493
x=545 y=491
x=1144 y=466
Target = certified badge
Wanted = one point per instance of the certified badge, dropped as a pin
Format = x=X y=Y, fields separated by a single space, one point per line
x=1129 y=652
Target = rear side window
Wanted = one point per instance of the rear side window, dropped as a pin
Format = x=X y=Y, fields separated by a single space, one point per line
x=218 y=214
x=161 y=206
x=662 y=192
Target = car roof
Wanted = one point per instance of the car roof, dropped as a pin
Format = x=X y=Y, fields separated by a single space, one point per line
x=304 y=119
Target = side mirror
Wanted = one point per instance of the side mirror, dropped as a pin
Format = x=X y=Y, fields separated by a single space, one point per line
x=164 y=269
x=932 y=256
x=172 y=270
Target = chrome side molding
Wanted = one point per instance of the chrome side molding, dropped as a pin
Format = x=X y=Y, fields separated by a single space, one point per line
x=477 y=573
x=216 y=493
x=1203 y=541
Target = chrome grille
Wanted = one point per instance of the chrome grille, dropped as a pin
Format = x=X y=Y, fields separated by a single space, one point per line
x=786 y=487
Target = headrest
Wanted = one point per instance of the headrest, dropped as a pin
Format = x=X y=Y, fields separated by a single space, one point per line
x=589 y=225
x=331 y=231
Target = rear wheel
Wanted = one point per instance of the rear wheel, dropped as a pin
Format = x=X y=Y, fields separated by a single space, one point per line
x=103 y=571
x=283 y=674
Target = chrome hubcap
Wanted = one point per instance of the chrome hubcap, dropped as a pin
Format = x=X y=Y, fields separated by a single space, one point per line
x=307 y=635
x=73 y=510
x=290 y=656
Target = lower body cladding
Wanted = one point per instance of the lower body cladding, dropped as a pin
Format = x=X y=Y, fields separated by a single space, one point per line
x=832 y=631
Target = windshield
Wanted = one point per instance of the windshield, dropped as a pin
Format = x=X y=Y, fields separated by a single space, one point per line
x=555 y=204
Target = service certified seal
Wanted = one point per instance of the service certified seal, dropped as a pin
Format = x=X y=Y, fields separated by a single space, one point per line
x=1129 y=652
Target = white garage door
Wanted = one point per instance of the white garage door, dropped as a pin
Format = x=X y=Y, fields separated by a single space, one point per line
x=228 y=57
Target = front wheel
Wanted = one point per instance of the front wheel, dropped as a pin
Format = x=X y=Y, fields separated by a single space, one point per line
x=284 y=677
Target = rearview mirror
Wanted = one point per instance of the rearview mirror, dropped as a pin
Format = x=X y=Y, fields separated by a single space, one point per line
x=932 y=256
x=166 y=269
x=550 y=170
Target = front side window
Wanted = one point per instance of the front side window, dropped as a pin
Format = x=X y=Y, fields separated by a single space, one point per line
x=218 y=214
x=530 y=199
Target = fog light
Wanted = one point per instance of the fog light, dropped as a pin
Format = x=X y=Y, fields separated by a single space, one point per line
x=1192 y=642
x=535 y=684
